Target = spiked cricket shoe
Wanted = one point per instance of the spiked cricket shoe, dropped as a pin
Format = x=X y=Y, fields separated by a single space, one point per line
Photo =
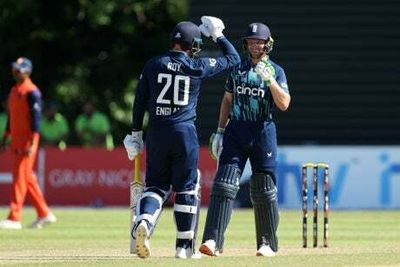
x=265 y=251
x=142 y=240
x=208 y=248
x=186 y=253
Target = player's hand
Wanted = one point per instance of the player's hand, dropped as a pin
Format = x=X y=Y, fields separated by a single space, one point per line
x=212 y=26
x=215 y=143
x=34 y=143
x=266 y=71
x=133 y=144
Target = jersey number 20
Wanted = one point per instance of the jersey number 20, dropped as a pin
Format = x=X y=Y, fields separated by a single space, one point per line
x=177 y=79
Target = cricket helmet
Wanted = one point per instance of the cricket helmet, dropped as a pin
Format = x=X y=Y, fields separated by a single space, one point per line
x=259 y=31
x=188 y=35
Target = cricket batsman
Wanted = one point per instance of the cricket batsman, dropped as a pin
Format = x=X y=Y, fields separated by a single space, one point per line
x=246 y=130
x=168 y=89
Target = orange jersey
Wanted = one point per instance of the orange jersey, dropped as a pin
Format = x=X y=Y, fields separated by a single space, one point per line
x=20 y=118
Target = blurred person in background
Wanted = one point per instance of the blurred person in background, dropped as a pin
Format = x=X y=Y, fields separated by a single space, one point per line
x=24 y=113
x=93 y=127
x=54 y=127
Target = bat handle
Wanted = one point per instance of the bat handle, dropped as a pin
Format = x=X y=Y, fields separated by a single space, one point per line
x=137 y=167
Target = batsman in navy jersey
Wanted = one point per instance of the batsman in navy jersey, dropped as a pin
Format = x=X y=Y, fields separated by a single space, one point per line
x=246 y=130
x=168 y=89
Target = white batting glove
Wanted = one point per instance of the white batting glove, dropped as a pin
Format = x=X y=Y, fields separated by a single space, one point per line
x=266 y=71
x=204 y=30
x=215 y=143
x=212 y=26
x=133 y=144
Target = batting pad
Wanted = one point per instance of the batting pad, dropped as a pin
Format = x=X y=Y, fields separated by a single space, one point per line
x=263 y=195
x=149 y=207
x=186 y=214
x=225 y=188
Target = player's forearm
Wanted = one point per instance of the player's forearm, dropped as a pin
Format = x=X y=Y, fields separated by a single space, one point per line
x=139 y=106
x=281 y=98
x=224 y=111
x=137 y=117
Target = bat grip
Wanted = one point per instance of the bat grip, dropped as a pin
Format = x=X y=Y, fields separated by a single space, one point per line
x=137 y=168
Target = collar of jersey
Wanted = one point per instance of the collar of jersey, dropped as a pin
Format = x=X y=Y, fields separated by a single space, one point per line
x=178 y=52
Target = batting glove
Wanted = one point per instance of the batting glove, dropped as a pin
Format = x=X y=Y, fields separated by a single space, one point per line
x=212 y=26
x=133 y=144
x=215 y=143
x=266 y=71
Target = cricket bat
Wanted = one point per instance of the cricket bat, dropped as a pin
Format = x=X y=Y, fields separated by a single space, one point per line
x=136 y=190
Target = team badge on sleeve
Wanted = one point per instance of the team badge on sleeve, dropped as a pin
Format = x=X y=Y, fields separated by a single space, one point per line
x=212 y=62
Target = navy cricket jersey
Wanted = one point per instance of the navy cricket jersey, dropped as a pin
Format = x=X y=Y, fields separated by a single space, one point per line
x=252 y=100
x=170 y=84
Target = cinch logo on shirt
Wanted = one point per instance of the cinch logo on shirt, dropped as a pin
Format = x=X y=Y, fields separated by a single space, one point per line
x=245 y=90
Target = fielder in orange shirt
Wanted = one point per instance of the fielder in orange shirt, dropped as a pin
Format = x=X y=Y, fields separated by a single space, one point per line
x=24 y=112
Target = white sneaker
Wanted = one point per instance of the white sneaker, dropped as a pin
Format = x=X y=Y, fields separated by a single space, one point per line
x=265 y=251
x=40 y=222
x=186 y=253
x=142 y=240
x=10 y=225
x=208 y=248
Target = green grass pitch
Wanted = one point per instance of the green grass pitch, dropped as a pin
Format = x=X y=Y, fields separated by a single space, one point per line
x=99 y=237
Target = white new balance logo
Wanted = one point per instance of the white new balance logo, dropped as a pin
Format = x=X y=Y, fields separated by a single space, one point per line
x=178 y=35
